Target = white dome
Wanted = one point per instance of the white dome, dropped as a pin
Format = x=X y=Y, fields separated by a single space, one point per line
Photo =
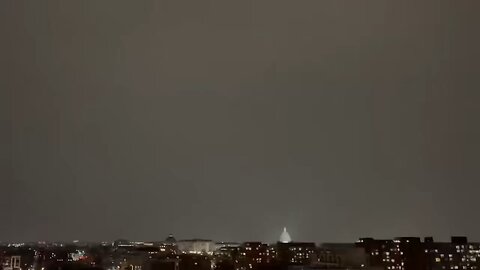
x=285 y=237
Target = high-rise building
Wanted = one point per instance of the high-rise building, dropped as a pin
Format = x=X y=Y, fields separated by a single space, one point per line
x=406 y=253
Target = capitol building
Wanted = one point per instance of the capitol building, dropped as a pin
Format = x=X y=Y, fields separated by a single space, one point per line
x=285 y=236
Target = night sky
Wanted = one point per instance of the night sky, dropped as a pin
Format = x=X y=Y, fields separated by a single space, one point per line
x=230 y=120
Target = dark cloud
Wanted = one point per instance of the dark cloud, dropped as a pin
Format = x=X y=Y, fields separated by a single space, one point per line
x=337 y=119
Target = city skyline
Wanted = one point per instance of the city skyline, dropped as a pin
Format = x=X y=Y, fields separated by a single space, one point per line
x=283 y=237
x=399 y=253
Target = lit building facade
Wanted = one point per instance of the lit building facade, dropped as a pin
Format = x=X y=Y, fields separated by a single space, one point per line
x=196 y=246
x=375 y=250
x=296 y=253
x=168 y=248
x=458 y=254
x=410 y=253
x=252 y=255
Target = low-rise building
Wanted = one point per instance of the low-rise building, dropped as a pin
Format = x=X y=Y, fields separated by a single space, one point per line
x=196 y=246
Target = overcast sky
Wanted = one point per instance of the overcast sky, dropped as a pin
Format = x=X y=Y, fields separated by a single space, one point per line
x=229 y=120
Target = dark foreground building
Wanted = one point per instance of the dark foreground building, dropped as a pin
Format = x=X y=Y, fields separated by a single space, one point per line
x=410 y=253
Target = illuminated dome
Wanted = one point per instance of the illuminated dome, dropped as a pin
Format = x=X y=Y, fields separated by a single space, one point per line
x=170 y=239
x=285 y=237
